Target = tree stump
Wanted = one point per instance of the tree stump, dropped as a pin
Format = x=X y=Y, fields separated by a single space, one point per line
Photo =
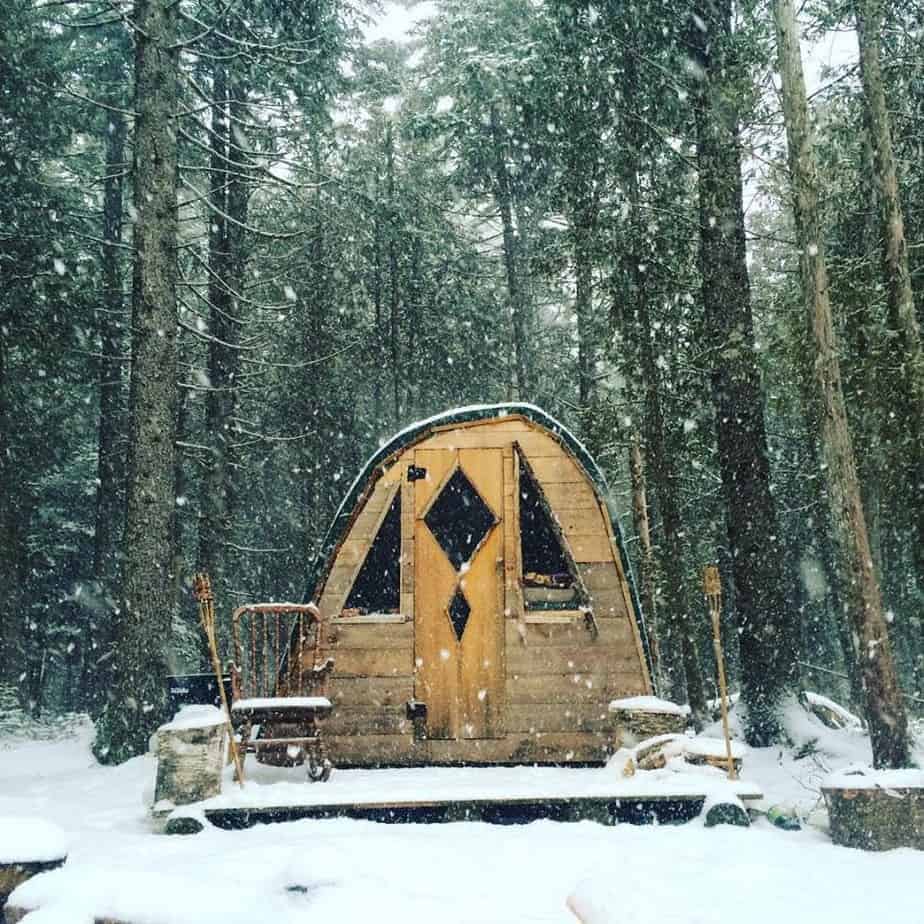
x=190 y=757
x=642 y=717
x=880 y=815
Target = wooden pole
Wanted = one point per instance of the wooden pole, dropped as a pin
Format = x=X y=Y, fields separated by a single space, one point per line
x=712 y=589
x=203 y=591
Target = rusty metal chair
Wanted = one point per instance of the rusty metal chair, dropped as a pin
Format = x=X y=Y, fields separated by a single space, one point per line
x=278 y=683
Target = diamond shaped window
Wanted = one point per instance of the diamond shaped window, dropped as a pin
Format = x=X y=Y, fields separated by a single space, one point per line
x=459 y=519
x=459 y=611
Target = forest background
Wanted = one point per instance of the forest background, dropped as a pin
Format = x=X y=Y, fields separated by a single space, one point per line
x=242 y=244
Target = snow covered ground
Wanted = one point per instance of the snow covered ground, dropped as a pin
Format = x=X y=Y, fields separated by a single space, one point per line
x=358 y=871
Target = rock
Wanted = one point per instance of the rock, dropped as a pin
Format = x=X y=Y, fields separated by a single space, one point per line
x=725 y=810
x=184 y=824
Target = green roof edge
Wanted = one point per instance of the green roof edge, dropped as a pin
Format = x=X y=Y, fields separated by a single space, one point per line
x=418 y=431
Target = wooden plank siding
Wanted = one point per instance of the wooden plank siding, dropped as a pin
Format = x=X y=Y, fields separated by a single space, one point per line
x=557 y=679
x=525 y=747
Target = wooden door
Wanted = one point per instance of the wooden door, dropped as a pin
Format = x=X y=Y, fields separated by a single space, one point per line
x=458 y=591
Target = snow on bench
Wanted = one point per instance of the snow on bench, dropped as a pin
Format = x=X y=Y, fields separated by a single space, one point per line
x=282 y=704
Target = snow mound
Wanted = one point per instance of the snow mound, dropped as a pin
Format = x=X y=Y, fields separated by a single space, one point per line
x=31 y=840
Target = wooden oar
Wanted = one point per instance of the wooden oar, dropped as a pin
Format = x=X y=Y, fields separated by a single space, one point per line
x=712 y=589
x=202 y=588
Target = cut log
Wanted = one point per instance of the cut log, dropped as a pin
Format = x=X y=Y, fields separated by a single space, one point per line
x=712 y=752
x=828 y=712
x=28 y=846
x=15 y=874
x=654 y=753
x=878 y=811
x=190 y=757
x=642 y=717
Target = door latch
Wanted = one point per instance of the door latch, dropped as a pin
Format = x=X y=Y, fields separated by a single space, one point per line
x=415 y=473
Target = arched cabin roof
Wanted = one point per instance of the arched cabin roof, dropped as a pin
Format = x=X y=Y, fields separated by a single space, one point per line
x=419 y=431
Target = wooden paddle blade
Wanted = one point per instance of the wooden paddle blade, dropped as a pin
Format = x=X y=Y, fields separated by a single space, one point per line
x=202 y=588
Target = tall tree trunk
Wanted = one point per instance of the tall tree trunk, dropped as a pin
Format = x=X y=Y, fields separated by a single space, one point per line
x=646 y=551
x=680 y=633
x=885 y=709
x=96 y=641
x=765 y=635
x=908 y=398
x=111 y=370
x=316 y=341
x=377 y=302
x=142 y=631
x=228 y=196
x=394 y=290
x=503 y=197
x=10 y=618
x=583 y=311
x=677 y=632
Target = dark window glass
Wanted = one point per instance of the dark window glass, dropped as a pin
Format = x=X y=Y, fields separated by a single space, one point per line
x=377 y=588
x=459 y=519
x=548 y=582
x=459 y=611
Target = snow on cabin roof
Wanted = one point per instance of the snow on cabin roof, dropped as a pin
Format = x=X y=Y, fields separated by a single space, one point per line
x=419 y=430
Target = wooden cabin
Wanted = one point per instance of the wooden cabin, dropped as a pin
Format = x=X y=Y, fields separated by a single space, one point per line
x=478 y=599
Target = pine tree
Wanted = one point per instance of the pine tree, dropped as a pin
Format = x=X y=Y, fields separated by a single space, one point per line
x=885 y=709
x=144 y=623
x=765 y=638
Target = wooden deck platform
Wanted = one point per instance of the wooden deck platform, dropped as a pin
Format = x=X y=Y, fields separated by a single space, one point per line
x=496 y=795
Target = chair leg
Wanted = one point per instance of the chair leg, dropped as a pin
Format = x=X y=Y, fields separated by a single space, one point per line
x=246 y=729
x=318 y=766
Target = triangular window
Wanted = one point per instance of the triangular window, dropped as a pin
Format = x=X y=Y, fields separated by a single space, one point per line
x=377 y=588
x=549 y=582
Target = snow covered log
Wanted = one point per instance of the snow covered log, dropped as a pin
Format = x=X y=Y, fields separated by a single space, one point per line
x=642 y=717
x=829 y=712
x=14 y=874
x=190 y=757
x=654 y=753
x=876 y=809
x=15 y=915
x=28 y=846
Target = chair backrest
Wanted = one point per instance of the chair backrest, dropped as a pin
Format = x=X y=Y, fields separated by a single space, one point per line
x=277 y=650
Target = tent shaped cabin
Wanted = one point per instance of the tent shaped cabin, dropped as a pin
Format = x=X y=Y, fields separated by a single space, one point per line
x=478 y=600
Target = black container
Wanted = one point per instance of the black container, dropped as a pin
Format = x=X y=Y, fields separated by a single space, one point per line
x=195 y=690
